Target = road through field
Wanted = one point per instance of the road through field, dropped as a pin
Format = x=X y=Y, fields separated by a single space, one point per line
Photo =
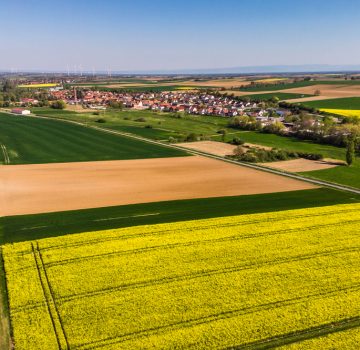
x=39 y=188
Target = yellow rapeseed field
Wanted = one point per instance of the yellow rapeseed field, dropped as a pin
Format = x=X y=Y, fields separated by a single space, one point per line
x=343 y=112
x=271 y=80
x=287 y=278
x=37 y=86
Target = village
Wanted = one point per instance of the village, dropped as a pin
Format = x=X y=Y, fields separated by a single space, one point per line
x=194 y=103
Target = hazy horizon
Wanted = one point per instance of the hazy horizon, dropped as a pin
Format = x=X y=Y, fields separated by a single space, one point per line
x=178 y=36
x=246 y=70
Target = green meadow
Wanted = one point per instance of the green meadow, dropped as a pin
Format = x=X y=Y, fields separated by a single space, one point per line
x=34 y=140
x=336 y=103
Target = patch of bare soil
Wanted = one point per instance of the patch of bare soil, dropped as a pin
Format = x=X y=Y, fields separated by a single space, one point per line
x=38 y=188
x=326 y=92
x=78 y=109
x=301 y=165
x=213 y=147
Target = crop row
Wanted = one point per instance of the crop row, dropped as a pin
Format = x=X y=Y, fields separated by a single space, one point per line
x=200 y=284
x=31 y=321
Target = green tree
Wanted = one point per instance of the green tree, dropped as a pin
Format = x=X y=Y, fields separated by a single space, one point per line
x=59 y=104
x=116 y=105
x=274 y=128
x=222 y=132
x=8 y=86
x=350 y=150
x=192 y=137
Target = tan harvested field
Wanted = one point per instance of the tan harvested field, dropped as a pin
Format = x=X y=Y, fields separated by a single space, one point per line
x=311 y=98
x=78 y=109
x=326 y=92
x=212 y=147
x=244 y=93
x=218 y=148
x=38 y=188
x=226 y=83
x=300 y=165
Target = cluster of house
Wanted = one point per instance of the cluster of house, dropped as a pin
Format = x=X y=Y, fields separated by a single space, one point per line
x=188 y=102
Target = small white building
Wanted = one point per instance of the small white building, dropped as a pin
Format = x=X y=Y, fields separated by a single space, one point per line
x=20 y=111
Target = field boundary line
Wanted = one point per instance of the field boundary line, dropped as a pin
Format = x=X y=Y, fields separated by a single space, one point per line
x=6 y=155
x=205 y=154
x=301 y=335
x=127 y=217
x=50 y=301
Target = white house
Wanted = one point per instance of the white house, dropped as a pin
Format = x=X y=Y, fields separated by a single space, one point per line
x=20 y=111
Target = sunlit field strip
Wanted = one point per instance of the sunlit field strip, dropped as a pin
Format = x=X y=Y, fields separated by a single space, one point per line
x=200 y=284
x=343 y=112
x=36 y=86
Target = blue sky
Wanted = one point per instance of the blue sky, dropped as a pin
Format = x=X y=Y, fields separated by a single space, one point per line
x=156 y=34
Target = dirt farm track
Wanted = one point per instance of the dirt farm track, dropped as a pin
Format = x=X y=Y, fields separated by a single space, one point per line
x=30 y=189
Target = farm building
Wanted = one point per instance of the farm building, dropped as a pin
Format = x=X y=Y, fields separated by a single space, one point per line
x=20 y=111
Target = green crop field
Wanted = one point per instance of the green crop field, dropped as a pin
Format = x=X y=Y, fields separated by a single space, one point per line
x=344 y=175
x=33 y=140
x=350 y=103
x=164 y=125
x=28 y=227
x=216 y=283
x=280 y=95
x=275 y=87
x=285 y=86
x=289 y=143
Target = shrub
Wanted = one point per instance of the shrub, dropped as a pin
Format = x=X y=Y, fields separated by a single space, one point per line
x=148 y=126
x=237 y=141
x=311 y=156
x=116 y=105
x=263 y=156
x=192 y=137
x=141 y=120
x=100 y=120
x=59 y=104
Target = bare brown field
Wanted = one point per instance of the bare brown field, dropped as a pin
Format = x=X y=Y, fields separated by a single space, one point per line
x=226 y=83
x=327 y=91
x=212 y=147
x=312 y=98
x=39 y=188
x=300 y=165
x=246 y=93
